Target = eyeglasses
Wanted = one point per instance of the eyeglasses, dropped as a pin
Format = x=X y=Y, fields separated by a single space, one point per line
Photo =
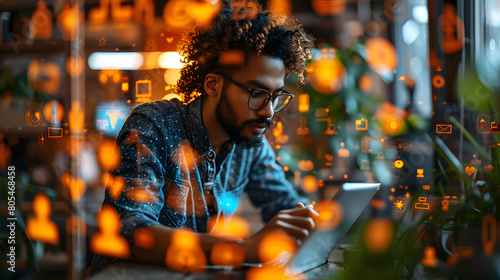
x=260 y=97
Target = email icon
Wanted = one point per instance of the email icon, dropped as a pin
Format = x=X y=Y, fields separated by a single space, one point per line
x=443 y=128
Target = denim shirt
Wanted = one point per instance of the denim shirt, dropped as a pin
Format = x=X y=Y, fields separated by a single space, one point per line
x=169 y=169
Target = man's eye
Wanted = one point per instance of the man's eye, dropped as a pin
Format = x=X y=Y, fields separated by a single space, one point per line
x=259 y=93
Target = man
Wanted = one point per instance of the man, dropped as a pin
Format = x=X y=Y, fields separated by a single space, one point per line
x=188 y=159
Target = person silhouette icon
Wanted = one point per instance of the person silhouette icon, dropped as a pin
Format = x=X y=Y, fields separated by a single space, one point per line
x=41 y=227
x=429 y=259
x=108 y=240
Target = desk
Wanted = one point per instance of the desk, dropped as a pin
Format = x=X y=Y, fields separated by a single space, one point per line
x=123 y=270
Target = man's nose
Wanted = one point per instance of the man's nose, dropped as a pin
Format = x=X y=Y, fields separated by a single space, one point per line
x=268 y=110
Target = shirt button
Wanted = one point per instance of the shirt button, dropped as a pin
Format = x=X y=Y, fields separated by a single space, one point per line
x=211 y=155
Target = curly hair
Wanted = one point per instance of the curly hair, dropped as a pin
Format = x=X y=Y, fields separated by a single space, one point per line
x=241 y=27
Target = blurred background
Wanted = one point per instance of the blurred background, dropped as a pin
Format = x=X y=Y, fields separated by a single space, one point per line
x=405 y=93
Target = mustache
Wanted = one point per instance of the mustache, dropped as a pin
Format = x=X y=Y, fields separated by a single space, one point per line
x=264 y=121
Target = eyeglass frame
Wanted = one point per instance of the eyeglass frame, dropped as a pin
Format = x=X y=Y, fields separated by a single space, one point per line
x=250 y=90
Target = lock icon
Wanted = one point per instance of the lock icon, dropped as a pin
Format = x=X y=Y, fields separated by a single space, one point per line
x=150 y=45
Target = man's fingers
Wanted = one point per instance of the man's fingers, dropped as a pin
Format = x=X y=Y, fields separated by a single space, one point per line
x=300 y=234
x=307 y=211
x=300 y=205
x=302 y=222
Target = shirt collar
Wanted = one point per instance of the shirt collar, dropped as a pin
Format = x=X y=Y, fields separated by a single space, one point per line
x=197 y=131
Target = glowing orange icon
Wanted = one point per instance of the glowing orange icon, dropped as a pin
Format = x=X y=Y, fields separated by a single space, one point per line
x=378 y=234
x=281 y=7
x=33 y=117
x=53 y=112
x=343 y=152
x=141 y=195
x=488 y=167
x=44 y=76
x=366 y=83
x=143 y=91
x=361 y=124
x=381 y=55
x=125 y=85
x=438 y=81
x=119 y=13
x=74 y=66
x=429 y=259
x=278 y=134
x=365 y=144
x=309 y=183
x=268 y=271
x=426 y=187
x=488 y=234
x=328 y=7
x=68 y=21
x=444 y=129
x=331 y=214
x=326 y=75
x=235 y=228
x=321 y=112
x=474 y=160
x=451 y=30
x=225 y=253
x=422 y=204
x=445 y=205
x=330 y=126
x=274 y=244
x=41 y=21
x=488 y=124
x=179 y=14
x=108 y=241
x=76 y=118
x=184 y=252
x=399 y=163
x=144 y=12
x=76 y=187
x=41 y=227
x=143 y=237
x=115 y=185
x=305 y=165
x=392 y=118
x=302 y=129
x=304 y=103
x=329 y=159
x=108 y=154
x=399 y=204
x=106 y=76
x=420 y=173
x=470 y=170
x=41 y=140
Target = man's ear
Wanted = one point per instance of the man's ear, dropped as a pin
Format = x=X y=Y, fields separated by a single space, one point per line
x=210 y=84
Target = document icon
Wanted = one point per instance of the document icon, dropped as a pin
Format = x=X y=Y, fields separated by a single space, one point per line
x=443 y=128
x=361 y=124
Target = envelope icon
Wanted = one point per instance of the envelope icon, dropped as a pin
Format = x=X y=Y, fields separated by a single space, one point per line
x=443 y=128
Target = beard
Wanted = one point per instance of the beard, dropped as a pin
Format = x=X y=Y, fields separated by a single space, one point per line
x=227 y=119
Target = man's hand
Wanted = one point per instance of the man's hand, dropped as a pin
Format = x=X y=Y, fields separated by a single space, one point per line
x=298 y=223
